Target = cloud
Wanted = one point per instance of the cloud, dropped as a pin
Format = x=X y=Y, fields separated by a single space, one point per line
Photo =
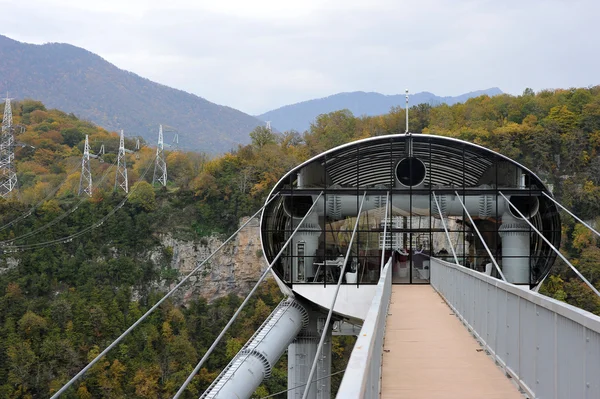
x=260 y=55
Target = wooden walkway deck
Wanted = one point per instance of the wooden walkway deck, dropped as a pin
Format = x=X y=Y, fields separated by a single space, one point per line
x=428 y=352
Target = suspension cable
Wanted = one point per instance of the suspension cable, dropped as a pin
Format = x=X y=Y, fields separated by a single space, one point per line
x=238 y=311
x=301 y=385
x=387 y=204
x=156 y=305
x=445 y=228
x=571 y=213
x=481 y=238
x=330 y=313
x=551 y=246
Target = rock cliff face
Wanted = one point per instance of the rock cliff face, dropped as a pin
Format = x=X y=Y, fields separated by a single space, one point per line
x=235 y=268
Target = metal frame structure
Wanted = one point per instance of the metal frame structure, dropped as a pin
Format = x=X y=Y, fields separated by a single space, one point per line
x=121 y=173
x=425 y=176
x=85 y=180
x=8 y=174
x=160 y=166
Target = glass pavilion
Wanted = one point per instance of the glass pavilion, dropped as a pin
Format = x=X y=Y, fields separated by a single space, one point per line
x=400 y=191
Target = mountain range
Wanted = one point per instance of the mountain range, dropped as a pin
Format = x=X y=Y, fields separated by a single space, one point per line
x=80 y=82
x=299 y=116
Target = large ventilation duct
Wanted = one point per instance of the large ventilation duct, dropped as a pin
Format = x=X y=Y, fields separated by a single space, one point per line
x=482 y=206
x=513 y=231
x=256 y=359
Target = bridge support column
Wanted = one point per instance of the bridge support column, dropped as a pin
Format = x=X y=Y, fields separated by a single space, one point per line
x=301 y=354
x=515 y=249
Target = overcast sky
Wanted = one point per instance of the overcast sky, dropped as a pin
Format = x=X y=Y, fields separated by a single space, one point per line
x=256 y=55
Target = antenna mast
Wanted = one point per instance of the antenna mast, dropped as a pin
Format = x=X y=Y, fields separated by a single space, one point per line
x=85 y=181
x=121 y=176
x=406 y=91
x=8 y=175
x=268 y=126
x=160 y=166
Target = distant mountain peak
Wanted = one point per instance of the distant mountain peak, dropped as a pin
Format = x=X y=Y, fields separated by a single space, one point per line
x=299 y=116
x=78 y=81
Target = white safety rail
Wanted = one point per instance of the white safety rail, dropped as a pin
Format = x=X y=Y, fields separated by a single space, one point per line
x=550 y=348
x=362 y=379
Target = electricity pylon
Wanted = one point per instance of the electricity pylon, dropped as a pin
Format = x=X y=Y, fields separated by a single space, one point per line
x=160 y=165
x=85 y=181
x=8 y=174
x=121 y=176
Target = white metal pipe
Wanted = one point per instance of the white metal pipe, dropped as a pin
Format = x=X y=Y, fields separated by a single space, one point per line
x=256 y=359
x=482 y=240
x=339 y=206
x=235 y=315
x=556 y=250
x=442 y=218
x=515 y=249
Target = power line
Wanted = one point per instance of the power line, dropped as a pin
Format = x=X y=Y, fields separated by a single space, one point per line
x=77 y=234
x=55 y=220
x=37 y=205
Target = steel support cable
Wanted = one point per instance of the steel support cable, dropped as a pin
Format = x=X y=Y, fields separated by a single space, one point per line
x=57 y=219
x=63 y=240
x=445 y=228
x=238 y=311
x=387 y=204
x=30 y=211
x=481 y=238
x=552 y=246
x=153 y=308
x=571 y=213
x=301 y=385
x=330 y=313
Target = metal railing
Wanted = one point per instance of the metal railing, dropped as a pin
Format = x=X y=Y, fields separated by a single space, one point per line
x=550 y=348
x=362 y=378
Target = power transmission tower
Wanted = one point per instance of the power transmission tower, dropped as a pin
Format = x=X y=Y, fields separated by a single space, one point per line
x=160 y=166
x=268 y=126
x=85 y=181
x=8 y=174
x=121 y=177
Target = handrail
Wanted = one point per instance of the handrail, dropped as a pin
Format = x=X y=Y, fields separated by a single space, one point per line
x=362 y=378
x=550 y=348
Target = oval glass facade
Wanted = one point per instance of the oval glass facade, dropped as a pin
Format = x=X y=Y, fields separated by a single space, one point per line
x=410 y=183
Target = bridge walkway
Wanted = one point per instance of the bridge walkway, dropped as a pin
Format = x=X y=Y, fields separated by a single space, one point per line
x=428 y=352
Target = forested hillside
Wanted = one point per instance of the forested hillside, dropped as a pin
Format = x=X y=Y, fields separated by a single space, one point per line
x=61 y=304
x=80 y=82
